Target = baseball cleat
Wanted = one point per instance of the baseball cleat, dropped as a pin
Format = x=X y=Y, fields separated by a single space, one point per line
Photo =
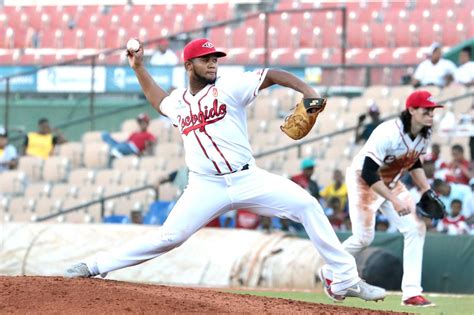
x=79 y=270
x=327 y=287
x=418 y=301
x=364 y=291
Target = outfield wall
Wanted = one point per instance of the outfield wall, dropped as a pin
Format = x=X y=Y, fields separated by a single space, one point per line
x=219 y=257
x=212 y=257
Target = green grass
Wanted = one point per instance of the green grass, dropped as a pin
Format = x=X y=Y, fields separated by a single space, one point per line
x=445 y=304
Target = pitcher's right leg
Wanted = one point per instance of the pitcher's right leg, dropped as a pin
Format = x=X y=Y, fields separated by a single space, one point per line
x=199 y=204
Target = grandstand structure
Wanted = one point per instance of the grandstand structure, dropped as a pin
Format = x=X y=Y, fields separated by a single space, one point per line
x=384 y=34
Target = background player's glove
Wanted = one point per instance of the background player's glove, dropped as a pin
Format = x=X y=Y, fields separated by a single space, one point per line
x=299 y=123
x=430 y=206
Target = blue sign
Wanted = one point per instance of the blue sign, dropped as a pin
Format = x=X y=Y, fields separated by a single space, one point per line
x=21 y=83
x=123 y=79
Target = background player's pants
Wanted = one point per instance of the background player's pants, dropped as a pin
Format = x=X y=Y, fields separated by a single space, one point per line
x=363 y=205
x=259 y=191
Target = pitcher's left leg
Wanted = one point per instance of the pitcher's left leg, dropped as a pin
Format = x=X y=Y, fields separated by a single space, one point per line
x=413 y=230
x=272 y=195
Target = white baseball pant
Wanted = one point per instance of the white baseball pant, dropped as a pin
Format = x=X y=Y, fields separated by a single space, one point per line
x=208 y=196
x=363 y=205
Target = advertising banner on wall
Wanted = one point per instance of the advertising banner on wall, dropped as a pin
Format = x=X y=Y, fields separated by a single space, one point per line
x=123 y=79
x=71 y=79
x=21 y=83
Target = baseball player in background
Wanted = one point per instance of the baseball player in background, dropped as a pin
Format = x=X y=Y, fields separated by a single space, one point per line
x=373 y=183
x=211 y=117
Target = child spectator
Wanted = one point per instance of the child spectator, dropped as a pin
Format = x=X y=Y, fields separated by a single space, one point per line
x=304 y=178
x=454 y=224
x=138 y=143
x=337 y=189
x=458 y=168
x=336 y=214
x=447 y=192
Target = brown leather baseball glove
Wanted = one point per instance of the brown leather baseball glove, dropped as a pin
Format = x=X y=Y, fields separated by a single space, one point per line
x=300 y=122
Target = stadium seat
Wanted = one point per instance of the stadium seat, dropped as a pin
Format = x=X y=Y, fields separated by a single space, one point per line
x=158 y=212
x=107 y=177
x=96 y=155
x=37 y=190
x=72 y=151
x=32 y=167
x=227 y=221
x=64 y=191
x=116 y=219
x=167 y=192
x=46 y=206
x=134 y=178
x=129 y=126
x=126 y=163
x=90 y=192
x=13 y=183
x=81 y=177
x=91 y=137
x=56 y=169
x=152 y=163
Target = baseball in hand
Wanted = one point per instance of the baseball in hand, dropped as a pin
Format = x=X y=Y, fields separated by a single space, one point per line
x=133 y=45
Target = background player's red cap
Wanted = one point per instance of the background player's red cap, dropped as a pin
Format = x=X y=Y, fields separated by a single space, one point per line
x=200 y=47
x=144 y=117
x=422 y=99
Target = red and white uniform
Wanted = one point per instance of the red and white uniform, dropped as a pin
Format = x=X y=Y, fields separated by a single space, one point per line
x=214 y=131
x=453 y=225
x=213 y=123
x=395 y=152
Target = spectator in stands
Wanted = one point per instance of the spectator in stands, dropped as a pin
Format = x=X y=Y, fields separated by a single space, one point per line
x=468 y=203
x=449 y=191
x=304 y=179
x=458 y=169
x=245 y=219
x=136 y=217
x=139 y=143
x=337 y=189
x=8 y=153
x=374 y=114
x=454 y=224
x=336 y=214
x=464 y=74
x=435 y=157
x=41 y=143
x=434 y=70
x=164 y=56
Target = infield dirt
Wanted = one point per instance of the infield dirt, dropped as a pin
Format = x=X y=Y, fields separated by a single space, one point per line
x=48 y=295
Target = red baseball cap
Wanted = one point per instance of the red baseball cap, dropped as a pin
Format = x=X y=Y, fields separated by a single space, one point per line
x=144 y=117
x=421 y=99
x=200 y=47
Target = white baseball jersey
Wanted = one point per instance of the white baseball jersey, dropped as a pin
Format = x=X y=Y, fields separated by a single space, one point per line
x=392 y=149
x=213 y=123
x=465 y=73
x=429 y=73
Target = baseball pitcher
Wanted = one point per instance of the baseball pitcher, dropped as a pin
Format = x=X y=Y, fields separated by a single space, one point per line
x=211 y=116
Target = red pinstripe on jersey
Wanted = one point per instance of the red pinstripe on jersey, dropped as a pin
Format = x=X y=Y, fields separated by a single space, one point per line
x=197 y=138
x=210 y=138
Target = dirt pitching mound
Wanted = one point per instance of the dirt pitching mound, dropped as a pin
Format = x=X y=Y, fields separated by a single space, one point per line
x=66 y=296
